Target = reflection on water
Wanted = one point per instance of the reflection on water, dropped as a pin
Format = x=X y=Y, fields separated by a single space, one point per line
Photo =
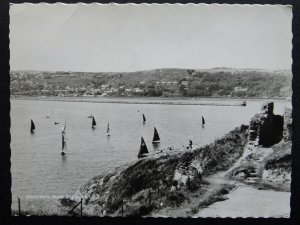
x=64 y=159
x=39 y=168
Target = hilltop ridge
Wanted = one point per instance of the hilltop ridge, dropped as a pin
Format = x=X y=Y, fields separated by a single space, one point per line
x=167 y=82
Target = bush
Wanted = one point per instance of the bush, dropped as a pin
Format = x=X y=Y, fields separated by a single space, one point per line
x=176 y=198
x=143 y=210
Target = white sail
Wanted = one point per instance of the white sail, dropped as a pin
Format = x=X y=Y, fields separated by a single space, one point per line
x=63 y=129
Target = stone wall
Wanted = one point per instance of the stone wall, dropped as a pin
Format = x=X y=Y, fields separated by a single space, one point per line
x=287 y=127
x=266 y=127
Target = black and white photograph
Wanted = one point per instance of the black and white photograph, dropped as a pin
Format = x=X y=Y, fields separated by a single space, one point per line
x=151 y=110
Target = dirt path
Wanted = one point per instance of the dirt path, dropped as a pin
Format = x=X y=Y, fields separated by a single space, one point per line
x=237 y=202
x=216 y=182
x=247 y=201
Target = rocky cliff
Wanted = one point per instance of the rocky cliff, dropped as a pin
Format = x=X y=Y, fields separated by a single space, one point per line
x=140 y=187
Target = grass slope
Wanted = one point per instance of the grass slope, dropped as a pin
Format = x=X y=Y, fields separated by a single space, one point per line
x=104 y=194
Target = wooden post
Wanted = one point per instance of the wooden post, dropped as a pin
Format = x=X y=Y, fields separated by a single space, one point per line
x=81 y=207
x=75 y=206
x=19 y=206
x=122 y=208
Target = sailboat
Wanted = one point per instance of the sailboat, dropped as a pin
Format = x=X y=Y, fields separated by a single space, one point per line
x=191 y=144
x=143 y=149
x=203 y=122
x=93 y=123
x=64 y=144
x=64 y=128
x=32 y=127
x=144 y=119
x=156 y=138
x=108 y=130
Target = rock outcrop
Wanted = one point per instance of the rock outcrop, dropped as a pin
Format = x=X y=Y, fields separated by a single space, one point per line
x=265 y=127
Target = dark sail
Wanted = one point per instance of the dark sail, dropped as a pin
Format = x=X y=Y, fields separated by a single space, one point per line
x=108 y=129
x=143 y=149
x=144 y=118
x=155 y=136
x=63 y=142
x=203 y=121
x=32 y=127
x=94 y=122
x=190 y=143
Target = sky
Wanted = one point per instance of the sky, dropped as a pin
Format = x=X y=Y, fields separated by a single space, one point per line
x=123 y=38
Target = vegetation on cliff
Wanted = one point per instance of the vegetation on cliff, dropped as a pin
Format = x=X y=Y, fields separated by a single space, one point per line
x=127 y=189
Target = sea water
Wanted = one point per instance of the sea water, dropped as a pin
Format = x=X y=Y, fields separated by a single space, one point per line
x=38 y=168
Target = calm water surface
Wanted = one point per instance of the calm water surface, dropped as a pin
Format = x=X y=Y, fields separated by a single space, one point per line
x=39 y=169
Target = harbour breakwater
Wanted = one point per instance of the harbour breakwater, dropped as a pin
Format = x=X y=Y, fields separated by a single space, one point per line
x=145 y=100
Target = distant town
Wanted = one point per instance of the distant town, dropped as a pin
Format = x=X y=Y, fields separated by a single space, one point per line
x=217 y=82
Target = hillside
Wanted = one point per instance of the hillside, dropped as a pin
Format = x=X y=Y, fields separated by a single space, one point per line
x=139 y=188
x=214 y=82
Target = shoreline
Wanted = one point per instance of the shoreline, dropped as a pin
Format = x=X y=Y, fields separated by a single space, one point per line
x=214 y=101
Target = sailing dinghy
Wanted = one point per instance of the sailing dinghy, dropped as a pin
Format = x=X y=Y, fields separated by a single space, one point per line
x=156 y=138
x=143 y=149
x=32 y=127
x=108 y=130
x=64 y=144
x=144 y=119
x=203 y=122
x=93 y=123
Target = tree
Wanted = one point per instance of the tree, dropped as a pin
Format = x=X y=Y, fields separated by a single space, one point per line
x=190 y=72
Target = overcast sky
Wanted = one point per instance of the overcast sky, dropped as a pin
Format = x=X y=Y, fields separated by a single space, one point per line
x=130 y=38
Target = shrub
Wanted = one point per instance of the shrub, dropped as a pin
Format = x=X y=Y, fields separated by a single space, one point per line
x=176 y=198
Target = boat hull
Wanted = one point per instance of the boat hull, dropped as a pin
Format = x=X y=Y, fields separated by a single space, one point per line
x=142 y=156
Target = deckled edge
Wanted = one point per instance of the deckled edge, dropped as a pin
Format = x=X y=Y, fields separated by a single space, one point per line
x=155 y=4
x=169 y=4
